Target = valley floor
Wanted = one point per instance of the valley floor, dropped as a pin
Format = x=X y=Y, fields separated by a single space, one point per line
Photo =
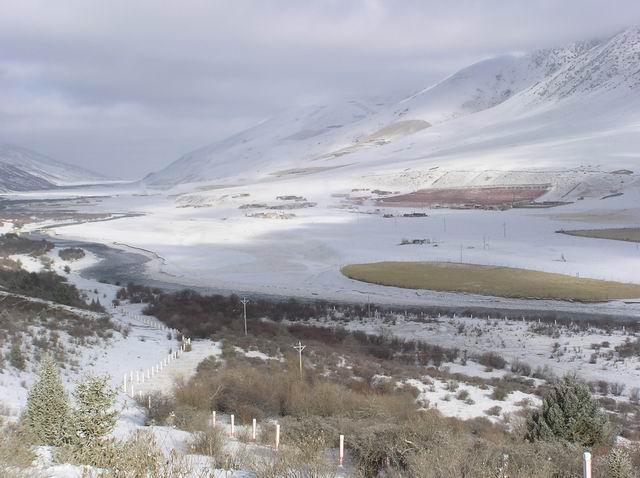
x=222 y=246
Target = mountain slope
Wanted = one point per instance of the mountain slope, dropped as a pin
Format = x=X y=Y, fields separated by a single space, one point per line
x=285 y=140
x=553 y=108
x=24 y=170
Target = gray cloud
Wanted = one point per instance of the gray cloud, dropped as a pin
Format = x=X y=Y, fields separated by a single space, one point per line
x=126 y=87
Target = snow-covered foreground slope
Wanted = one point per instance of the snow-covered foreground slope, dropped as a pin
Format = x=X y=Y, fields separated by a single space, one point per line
x=25 y=170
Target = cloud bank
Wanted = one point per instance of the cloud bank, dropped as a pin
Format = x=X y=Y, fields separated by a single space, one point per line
x=126 y=87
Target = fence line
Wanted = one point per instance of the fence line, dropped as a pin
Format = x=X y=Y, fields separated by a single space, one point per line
x=128 y=388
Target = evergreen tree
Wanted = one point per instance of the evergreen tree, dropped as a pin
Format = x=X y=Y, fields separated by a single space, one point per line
x=569 y=413
x=619 y=463
x=93 y=416
x=16 y=358
x=47 y=410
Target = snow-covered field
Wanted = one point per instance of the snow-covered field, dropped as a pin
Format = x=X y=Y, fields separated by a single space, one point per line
x=562 y=349
x=219 y=246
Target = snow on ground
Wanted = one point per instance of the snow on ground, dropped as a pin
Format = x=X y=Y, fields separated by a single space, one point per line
x=515 y=340
x=220 y=247
x=6 y=227
x=477 y=402
x=144 y=346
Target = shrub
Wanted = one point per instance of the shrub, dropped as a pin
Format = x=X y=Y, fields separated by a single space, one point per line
x=603 y=387
x=462 y=395
x=71 y=253
x=47 y=411
x=569 y=413
x=16 y=357
x=452 y=386
x=15 y=451
x=521 y=368
x=492 y=360
x=619 y=463
x=161 y=407
x=617 y=388
x=499 y=393
x=209 y=442
x=494 y=411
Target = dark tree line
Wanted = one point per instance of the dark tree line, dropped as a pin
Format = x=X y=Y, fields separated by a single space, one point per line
x=202 y=316
x=45 y=285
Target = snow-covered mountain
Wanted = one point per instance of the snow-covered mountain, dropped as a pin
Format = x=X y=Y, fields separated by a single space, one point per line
x=553 y=108
x=299 y=134
x=24 y=170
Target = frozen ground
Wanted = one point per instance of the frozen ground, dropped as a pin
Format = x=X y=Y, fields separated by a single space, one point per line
x=563 y=349
x=218 y=246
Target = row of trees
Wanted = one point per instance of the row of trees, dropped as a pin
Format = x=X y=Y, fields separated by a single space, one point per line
x=45 y=285
x=81 y=427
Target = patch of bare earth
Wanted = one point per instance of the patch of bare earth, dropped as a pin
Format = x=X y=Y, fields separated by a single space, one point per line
x=468 y=196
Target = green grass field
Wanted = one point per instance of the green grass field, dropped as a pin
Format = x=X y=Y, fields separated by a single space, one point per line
x=489 y=280
x=628 y=234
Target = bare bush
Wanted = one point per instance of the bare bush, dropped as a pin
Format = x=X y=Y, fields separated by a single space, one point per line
x=492 y=360
x=617 y=388
x=520 y=367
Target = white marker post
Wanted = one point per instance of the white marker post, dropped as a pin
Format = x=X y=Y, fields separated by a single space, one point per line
x=277 y=436
x=213 y=419
x=124 y=384
x=233 y=426
x=253 y=430
x=341 y=453
x=149 y=402
x=587 y=464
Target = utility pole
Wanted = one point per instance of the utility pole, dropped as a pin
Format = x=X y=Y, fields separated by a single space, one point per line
x=300 y=348
x=245 y=301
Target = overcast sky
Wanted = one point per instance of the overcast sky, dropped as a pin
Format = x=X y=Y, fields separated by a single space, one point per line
x=125 y=87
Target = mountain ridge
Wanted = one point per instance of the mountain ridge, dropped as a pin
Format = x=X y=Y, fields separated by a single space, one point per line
x=22 y=169
x=508 y=99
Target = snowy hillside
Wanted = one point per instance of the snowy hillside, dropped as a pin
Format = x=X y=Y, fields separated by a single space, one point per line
x=297 y=135
x=550 y=109
x=24 y=170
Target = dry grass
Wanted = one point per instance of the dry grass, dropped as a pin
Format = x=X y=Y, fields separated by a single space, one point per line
x=15 y=452
x=627 y=234
x=257 y=391
x=489 y=280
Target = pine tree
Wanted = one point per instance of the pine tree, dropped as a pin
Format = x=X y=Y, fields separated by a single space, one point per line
x=569 y=413
x=16 y=358
x=619 y=463
x=93 y=416
x=47 y=410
